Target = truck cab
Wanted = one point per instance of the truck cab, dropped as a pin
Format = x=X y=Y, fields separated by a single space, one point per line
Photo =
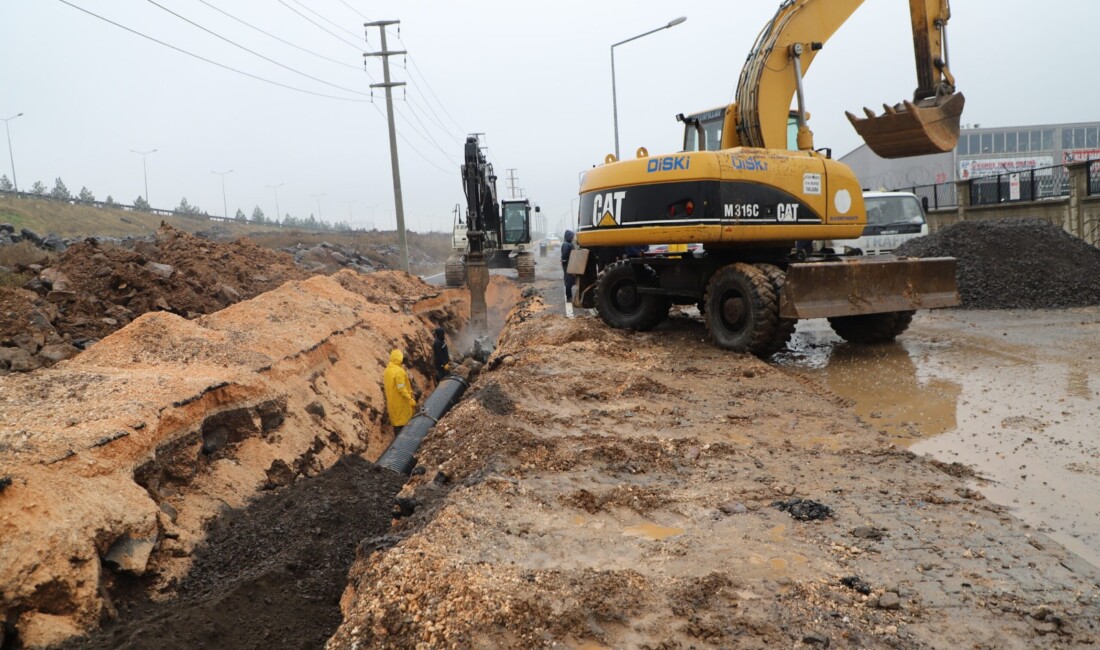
x=893 y=218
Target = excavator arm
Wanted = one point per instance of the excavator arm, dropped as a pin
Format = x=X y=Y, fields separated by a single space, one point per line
x=786 y=47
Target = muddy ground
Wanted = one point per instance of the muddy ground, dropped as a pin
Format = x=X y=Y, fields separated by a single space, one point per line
x=595 y=489
x=608 y=489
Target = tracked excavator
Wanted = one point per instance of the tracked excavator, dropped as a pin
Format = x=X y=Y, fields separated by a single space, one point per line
x=504 y=226
x=749 y=185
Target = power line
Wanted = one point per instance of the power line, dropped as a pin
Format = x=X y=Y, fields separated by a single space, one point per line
x=337 y=26
x=426 y=135
x=358 y=48
x=416 y=69
x=253 y=52
x=281 y=40
x=202 y=58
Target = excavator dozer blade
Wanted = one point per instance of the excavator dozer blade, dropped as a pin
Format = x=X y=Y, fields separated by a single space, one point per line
x=868 y=285
x=908 y=129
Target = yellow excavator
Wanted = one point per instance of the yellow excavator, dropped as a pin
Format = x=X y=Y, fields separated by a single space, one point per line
x=749 y=185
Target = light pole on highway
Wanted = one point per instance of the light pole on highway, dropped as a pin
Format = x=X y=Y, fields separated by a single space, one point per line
x=225 y=206
x=318 y=197
x=276 y=188
x=145 y=170
x=14 y=181
x=614 y=98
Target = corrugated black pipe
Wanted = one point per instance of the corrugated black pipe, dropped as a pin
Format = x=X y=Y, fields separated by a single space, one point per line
x=399 y=456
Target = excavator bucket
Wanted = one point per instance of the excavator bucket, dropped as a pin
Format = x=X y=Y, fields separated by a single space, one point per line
x=868 y=285
x=908 y=129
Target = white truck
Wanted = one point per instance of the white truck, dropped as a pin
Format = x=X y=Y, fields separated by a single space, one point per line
x=893 y=218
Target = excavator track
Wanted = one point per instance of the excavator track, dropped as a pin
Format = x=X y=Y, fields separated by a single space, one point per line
x=525 y=267
x=455 y=271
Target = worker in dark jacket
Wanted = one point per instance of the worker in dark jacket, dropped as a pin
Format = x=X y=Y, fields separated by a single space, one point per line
x=441 y=354
x=566 y=249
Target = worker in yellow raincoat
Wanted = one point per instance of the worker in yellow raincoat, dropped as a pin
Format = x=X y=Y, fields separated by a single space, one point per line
x=399 y=396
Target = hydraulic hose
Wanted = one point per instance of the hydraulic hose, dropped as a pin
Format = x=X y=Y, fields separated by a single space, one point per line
x=400 y=455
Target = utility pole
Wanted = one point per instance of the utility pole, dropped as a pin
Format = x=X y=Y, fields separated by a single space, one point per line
x=318 y=197
x=145 y=170
x=385 y=53
x=14 y=179
x=512 y=181
x=225 y=206
x=276 y=188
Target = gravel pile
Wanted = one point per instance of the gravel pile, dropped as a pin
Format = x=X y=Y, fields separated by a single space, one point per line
x=1015 y=264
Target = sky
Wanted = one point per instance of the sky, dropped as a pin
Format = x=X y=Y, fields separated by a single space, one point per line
x=534 y=78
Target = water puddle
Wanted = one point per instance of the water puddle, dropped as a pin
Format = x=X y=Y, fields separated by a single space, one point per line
x=1015 y=395
x=652 y=531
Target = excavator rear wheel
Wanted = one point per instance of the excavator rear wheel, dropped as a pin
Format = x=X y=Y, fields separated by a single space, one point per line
x=871 y=328
x=784 y=327
x=525 y=267
x=455 y=270
x=742 y=309
x=619 y=302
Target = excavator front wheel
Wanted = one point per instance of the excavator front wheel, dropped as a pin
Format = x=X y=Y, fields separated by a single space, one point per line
x=620 y=301
x=872 y=328
x=742 y=309
x=784 y=327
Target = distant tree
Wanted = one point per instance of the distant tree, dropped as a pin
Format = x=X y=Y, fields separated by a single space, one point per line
x=86 y=195
x=240 y=216
x=59 y=191
x=38 y=189
x=110 y=200
x=186 y=208
x=141 y=204
x=258 y=215
x=311 y=223
x=5 y=184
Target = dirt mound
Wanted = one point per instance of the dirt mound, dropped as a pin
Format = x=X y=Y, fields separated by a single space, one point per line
x=92 y=289
x=1015 y=264
x=270 y=575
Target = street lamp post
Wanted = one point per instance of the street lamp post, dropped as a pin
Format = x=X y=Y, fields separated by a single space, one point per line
x=14 y=180
x=225 y=205
x=145 y=170
x=276 y=188
x=614 y=98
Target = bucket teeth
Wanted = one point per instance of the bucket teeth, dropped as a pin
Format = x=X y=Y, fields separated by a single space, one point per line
x=889 y=110
x=870 y=114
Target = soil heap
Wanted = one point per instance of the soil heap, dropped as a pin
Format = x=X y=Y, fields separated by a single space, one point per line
x=1015 y=264
x=93 y=289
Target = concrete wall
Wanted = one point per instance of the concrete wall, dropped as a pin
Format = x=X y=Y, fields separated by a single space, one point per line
x=1078 y=214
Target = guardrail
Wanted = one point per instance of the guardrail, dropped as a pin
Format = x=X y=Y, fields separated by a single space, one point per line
x=1093 y=175
x=151 y=210
x=943 y=195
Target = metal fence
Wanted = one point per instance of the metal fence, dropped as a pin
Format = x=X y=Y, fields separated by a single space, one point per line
x=944 y=195
x=1027 y=185
x=1094 y=179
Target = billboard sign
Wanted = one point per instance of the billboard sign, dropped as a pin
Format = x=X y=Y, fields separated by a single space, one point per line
x=994 y=166
x=1079 y=155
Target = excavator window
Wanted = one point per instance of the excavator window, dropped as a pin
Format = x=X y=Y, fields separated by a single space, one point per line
x=515 y=223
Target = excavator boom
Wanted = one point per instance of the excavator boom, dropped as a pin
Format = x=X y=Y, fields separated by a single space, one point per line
x=786 y=47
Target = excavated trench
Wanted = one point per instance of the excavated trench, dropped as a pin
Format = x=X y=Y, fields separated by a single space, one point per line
x=206 y=483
